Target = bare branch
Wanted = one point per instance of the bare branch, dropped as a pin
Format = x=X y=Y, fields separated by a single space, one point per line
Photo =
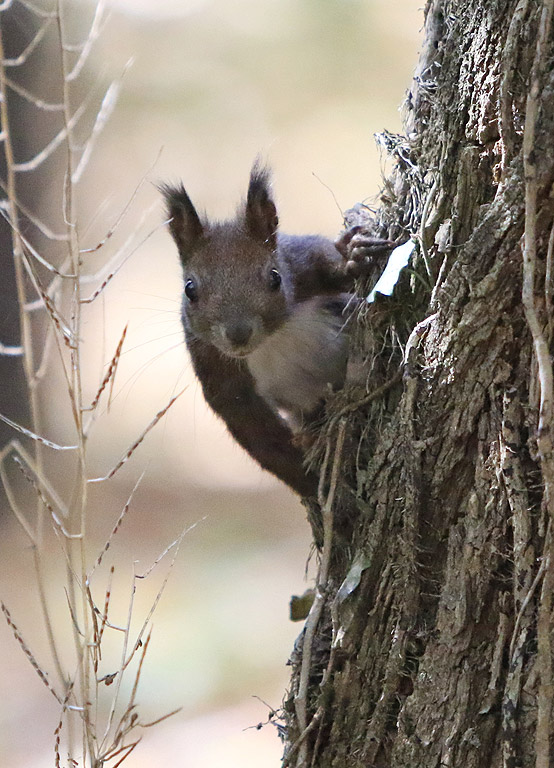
x=37 y=438
x=16 y=448
x=161 y=719
x=115 y=697
x=110 y=373
x=176 y=546
x=30 y=47
x=106 y=108
x=116 y=527
x=121 y=259
x=40 y=225
x=540 y=344
x=38 y=11
x=326 y=503
x=544 y=661
x=60 y=324
x=25 y=464
x=33 y=251
x=127 y=749
x=107 y=598
x=46 y=352
x=14 y=506
x=91 y=39
x=125 y=210
x=50 y=148
x=24 y=93
x=167 y=550
x=57 y=732
x=133 y=694
x=27 y=651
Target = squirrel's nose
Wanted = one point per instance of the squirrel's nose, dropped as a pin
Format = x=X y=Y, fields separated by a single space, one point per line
x=239 y=333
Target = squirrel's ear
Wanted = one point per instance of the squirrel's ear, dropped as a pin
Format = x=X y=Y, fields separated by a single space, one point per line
x=184 y=223
x=261 y=214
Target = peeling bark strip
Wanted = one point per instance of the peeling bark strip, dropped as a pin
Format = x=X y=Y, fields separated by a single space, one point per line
x=433 y=645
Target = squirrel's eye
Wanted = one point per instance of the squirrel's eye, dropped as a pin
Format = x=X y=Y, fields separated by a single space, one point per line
x=274 y=280
x=191 y=291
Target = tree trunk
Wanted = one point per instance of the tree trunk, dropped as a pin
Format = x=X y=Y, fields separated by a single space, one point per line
x=429 y=641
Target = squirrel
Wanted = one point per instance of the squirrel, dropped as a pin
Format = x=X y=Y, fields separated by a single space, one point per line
x=265 y=317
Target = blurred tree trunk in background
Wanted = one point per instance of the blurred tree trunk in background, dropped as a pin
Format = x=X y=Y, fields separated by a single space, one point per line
x=13 y=398
x=434 y=644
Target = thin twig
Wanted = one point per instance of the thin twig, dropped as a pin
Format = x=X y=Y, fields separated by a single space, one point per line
x=527 y=599
x=106 y=108
x=26 y=650
x=38 y=159
x=111 y=231
x=176 y=546
x=91 y=38
x=119 y=260
x=33 y=251
x=35 y=437
x=28 y=96
x=546 y=382
x=31 y=45
x=357 y=404
x=126 y=456
x=548 y=278
x=112 y=370
x=116 y=527
x=544 y=661
x=300 y=700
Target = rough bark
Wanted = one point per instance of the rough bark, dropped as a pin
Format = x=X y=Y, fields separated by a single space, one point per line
x=429 y=642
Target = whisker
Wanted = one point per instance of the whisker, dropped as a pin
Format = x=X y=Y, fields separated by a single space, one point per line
x=152 y=341
x=155 y=296
x=132 y=380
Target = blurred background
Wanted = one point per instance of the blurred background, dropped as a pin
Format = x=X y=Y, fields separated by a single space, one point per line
x=208 y=85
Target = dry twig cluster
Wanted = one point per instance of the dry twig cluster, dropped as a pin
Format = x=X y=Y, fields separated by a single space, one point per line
x=99 y=721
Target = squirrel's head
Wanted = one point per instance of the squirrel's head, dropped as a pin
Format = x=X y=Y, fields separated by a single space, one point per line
x=235 y=292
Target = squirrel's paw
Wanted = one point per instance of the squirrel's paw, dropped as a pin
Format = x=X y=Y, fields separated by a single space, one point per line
x=363 y=251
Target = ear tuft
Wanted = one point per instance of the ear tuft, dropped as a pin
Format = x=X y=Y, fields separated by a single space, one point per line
x=261 y=214
x=184 y=223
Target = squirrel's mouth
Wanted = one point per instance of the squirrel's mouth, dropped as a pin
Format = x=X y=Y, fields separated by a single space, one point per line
x=233 y=350
x=238 y=352
x=238 y=341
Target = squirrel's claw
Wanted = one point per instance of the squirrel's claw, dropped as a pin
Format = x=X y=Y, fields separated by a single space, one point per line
x=362 y=251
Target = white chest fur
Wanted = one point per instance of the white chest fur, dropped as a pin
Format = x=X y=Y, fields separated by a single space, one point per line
x=295 y=366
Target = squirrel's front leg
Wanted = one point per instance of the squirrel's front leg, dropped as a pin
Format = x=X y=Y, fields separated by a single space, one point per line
x=229 y=389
